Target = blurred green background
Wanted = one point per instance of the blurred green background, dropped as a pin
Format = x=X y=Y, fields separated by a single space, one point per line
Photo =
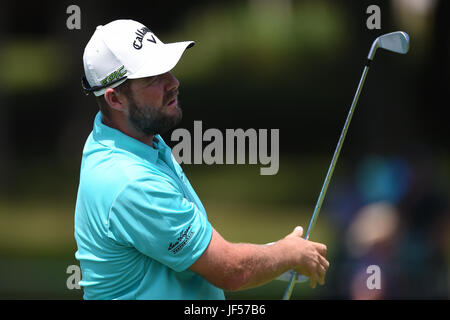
x=285 y=64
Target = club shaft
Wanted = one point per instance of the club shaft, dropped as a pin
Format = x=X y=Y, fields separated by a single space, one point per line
x=290 y=288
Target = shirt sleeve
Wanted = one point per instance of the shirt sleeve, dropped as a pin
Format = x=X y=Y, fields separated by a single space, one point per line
x=153 y=216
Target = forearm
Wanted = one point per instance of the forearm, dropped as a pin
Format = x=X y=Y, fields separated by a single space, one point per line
x=256 y=265
x=237 y=266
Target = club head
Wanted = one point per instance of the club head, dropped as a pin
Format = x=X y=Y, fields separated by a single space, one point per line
x=395 y=41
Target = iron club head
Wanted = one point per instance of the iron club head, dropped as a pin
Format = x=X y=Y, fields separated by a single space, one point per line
x=395 y=41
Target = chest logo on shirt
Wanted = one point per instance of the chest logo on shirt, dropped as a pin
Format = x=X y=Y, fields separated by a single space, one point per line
x=182 y=240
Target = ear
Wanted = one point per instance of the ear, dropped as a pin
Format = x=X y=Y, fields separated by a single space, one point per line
x=115 y=100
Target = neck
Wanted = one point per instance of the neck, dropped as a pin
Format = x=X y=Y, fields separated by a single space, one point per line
x=126 y=129
x=148 y=140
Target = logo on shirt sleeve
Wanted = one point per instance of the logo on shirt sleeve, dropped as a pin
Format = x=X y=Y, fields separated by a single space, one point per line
x=182 y=240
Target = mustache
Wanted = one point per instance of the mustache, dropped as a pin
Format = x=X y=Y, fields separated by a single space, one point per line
x=170 y=96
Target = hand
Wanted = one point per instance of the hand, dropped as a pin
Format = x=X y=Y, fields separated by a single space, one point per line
x=308 y=257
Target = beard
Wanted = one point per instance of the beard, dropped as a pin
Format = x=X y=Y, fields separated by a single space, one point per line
x=150 y=120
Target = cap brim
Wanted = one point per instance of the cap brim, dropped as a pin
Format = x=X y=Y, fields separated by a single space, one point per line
x=167 y=56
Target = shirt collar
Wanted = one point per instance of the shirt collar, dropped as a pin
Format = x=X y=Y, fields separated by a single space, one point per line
x=116 y=139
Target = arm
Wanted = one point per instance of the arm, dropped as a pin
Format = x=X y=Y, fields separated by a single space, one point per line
x=238 y=266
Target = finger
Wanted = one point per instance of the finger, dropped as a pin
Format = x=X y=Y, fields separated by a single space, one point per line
x=313 y=278
x=324 y=262
x=298 y=231
x=322 y=249
x=321 y=273
x=313 y=282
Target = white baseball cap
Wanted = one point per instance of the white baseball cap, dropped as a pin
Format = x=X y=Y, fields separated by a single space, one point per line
x=126 y=49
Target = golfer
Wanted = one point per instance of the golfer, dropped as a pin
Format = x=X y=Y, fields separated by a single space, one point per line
x=141 y=230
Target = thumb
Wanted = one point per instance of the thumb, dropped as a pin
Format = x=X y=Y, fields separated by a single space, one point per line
x=298 y=231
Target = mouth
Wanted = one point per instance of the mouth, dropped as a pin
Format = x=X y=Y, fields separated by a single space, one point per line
x=172 y=102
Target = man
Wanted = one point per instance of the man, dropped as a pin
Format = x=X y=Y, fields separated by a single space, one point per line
x=141 y=230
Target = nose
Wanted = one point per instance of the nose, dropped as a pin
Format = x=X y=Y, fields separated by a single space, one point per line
x=172 y=82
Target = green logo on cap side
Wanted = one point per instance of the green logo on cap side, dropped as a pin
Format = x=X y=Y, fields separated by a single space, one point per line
x=116 y=75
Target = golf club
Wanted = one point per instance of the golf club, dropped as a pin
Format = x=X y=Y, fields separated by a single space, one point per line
x=396 y=42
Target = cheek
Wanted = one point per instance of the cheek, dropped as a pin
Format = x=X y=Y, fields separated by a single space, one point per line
x=152 y=97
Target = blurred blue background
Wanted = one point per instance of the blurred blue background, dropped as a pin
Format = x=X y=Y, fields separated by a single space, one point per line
x=285 y=64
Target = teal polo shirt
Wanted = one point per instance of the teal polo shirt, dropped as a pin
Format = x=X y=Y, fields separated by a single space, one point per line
x=139 y=225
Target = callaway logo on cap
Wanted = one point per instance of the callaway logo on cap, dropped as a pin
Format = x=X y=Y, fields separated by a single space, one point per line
x=126 y=49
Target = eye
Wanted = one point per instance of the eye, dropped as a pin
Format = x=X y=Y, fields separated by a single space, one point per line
x=151 y=80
